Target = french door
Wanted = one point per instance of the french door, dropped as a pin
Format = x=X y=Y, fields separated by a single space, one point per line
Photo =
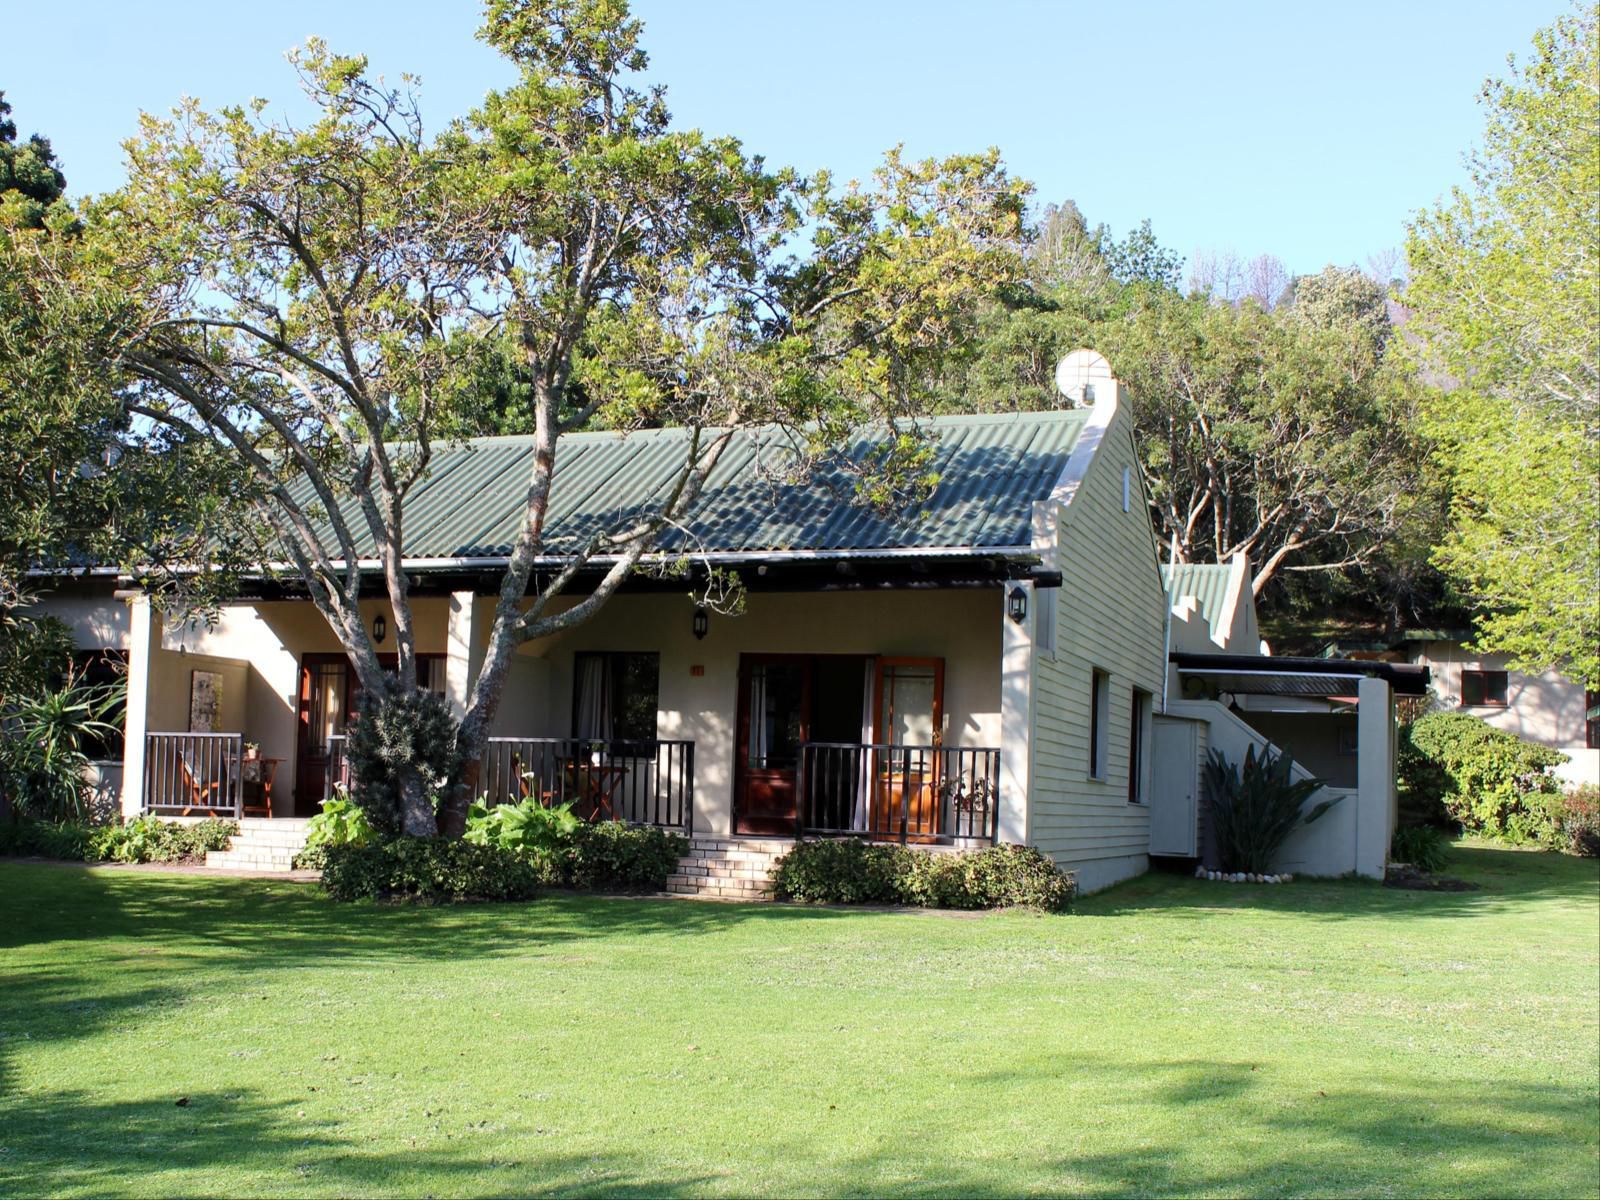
x=789 y=700
x=330 y=697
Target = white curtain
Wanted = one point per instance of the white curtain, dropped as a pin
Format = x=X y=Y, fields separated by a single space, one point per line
x=861 y=808
x=760 y=719
x=594 y=700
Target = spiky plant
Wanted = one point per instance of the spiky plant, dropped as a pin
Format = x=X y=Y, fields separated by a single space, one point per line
x=1253 y=810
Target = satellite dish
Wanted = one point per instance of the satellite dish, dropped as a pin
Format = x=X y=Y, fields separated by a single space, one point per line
x=1078 y=372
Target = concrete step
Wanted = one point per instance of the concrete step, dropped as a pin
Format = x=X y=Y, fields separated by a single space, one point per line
x=276 y=823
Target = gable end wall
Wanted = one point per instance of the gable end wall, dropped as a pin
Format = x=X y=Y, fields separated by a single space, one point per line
x=1111 y=613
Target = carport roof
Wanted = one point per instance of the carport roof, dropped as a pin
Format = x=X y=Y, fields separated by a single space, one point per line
x=1266 y=675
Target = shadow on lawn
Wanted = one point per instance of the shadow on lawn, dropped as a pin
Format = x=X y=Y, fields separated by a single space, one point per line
x=1393 y=1136
x=1509 y=881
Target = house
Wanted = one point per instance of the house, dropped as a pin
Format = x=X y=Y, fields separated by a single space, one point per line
x=993 y=667
x=1546 y=708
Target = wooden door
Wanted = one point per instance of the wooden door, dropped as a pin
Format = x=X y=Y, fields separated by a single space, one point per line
x=1174 y=787
x=774 y=721
x=329 y=694
x=908 y=711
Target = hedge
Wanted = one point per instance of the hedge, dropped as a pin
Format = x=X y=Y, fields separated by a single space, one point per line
x=853 y=872
x=1455 y=767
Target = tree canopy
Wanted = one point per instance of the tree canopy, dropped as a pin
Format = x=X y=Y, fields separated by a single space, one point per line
x=318 y=303
x=1505 y=291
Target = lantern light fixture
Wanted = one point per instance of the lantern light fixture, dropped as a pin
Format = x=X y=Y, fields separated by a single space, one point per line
x=380 y=628
x=1017 y=604
x=702 y=623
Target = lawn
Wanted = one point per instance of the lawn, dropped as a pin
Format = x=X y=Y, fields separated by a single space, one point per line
x=185 y=1035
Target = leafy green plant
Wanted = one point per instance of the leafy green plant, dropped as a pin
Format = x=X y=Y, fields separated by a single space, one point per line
x=1423 y=846
x=525 y=826
x=1486 y=780
x=427 y=869
x=149 y=839
x=42 y=759
x=854 y=872
x=614 y=856
x=843 y=871
x=342 y=822
x=1255 y=808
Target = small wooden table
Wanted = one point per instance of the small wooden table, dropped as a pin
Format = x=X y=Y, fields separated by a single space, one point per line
x=257 y=793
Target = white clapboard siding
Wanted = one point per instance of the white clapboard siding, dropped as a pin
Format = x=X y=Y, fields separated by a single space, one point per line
x=1110 y=617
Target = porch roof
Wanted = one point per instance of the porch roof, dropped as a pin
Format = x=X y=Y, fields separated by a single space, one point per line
x=992 y=469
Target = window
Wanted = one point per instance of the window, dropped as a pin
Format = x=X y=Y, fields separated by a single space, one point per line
x=1138 y=737
x=1099 y=720
x=615 y=696
x=1483 y=688
x=105 y=668
x=1591 y=727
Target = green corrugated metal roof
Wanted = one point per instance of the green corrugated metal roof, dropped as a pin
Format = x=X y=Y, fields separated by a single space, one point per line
x=1207 y=583
x=992 y=469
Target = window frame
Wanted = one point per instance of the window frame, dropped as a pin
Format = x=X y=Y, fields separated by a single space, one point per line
x=1486 y=676
x=1140 y=709
x=614 y=660
x=1099 y=724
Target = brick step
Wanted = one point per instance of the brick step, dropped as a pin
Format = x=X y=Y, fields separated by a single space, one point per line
x=240 y=860
x=283 y=824
x=269 y=840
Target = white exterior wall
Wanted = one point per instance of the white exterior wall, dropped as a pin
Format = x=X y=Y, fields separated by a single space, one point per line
x=1110 y=616
x=1547 y=709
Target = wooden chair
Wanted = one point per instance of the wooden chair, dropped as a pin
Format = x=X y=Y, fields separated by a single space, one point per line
x=204 y=795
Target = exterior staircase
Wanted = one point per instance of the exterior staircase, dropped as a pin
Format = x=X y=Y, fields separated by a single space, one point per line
x=262 y=844
x=728 y=868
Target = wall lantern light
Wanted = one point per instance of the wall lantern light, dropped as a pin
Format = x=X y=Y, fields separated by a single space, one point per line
x=380 y=628
x=1017 y=605
x=701 y=623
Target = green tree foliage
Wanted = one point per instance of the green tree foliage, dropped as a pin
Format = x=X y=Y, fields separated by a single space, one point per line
x=1289 y=435
x=1504 y=285
x=31 y=182
x=317 y=305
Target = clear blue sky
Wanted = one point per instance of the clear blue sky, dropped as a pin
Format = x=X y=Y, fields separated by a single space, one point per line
x=1307 y=131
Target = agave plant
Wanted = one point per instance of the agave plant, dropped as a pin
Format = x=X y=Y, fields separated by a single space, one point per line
x=1254 y=810
x=42 y=762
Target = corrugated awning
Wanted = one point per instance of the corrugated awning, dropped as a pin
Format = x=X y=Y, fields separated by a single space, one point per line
x=1265 y=675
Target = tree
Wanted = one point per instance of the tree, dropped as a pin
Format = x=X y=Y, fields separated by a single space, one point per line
x=1287 y=434
x=31 y=182
x=1505 y=276
x=320 y=301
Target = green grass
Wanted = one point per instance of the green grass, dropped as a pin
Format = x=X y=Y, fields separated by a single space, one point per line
x=1171 y=1037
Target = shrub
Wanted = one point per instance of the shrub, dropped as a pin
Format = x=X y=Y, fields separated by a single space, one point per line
x=396 y=733
x=340 y=823
x=613 y=856
x=69 y=840
x=1488 y=781
x=144 y=839
x=1580 y=821
x=432 y=869
x=1423 y=846
x=1255 y=808
x=148 y=839
x=525 y=826
x=839 y=872
x=852 y=872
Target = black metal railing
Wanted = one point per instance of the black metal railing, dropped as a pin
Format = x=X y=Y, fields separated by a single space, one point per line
x=194 y=774
x=898 y=793
x=643 y=782
x=336 y=771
